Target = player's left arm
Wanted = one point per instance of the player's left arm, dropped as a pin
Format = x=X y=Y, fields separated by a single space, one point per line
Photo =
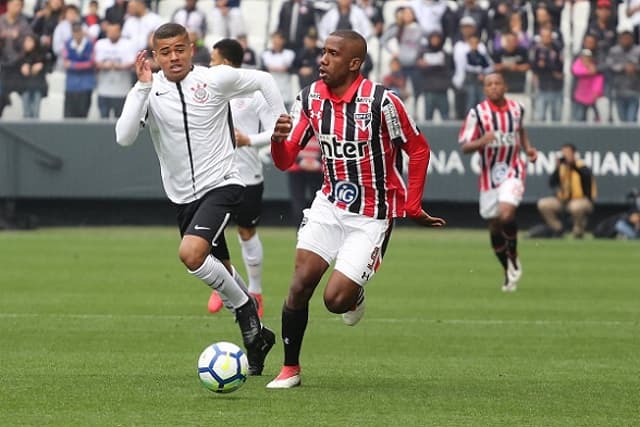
x=404 y=131
x=267 y=122
x=532 y=153
x=228 y=83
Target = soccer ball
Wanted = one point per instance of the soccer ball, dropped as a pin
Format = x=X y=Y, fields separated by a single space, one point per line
x=223 y=367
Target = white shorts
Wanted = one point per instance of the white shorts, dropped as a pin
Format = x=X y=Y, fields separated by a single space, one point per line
x=510 y=191
x=354 y=241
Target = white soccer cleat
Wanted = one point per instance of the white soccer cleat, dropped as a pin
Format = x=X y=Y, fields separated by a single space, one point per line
x=509 y=286
x=352 y=317
x=514 y=271
x=289 y=377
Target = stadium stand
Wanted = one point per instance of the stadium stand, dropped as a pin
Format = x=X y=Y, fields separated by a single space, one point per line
x=261 y=18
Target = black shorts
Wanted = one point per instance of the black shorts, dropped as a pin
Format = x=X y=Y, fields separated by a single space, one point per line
x=208 y=217
x=248 y=212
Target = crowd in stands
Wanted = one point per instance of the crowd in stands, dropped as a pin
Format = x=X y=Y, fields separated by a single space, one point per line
x=435 y=52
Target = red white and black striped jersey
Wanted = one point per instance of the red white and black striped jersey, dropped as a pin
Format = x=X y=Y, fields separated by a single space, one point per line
x=360 y=135
x=499 y=159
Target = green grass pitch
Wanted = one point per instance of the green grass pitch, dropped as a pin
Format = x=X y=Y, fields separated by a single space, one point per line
x=102 y=327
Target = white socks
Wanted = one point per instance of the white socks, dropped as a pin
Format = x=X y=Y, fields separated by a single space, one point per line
x=252 y=256
x=213 y=273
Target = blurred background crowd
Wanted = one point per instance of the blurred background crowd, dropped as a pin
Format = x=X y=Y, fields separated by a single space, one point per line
x=564 y=60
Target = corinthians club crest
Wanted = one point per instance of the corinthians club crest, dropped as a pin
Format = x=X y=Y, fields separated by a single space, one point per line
x=200 y=93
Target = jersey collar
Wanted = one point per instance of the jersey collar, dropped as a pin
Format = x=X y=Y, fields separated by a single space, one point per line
x=325 y=92
x=498 y=109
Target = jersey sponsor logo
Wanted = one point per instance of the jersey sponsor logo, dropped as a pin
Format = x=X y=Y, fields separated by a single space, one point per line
x=200 y=93
x=363 y=120
x=314 y=95
x=201 y=227
x=499 y=172
x=364 y=99
x=393 y=121
x=346 y=192
x=332 y=148
x=158 y=93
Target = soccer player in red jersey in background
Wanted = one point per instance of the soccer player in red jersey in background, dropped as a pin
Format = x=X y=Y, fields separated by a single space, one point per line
x=495 y=130
x=361 y=128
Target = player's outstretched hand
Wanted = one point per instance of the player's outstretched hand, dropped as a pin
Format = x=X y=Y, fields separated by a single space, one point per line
x=282 y=128
x=143 y=67
x=532 y=154
x=427 y=220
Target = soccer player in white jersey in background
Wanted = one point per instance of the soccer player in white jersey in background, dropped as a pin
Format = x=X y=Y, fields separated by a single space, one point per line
x=361 y=128
x=494 y=128
x=186 y=108
x=254 y=122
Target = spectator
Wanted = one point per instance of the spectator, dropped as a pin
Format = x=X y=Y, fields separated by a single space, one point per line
x=307 y=60
x=79 y=63
x=190 y=17
x=624 y=64
x=547 y=64
x=515 y=27
x=227 y=20
x=396 y=80
x=477 y=66
x=92 y=21
x=344 y=16
x=373 y=10
x=63 y=33
x=139 y=23
x=589 y=86
x=115 y=57
x=575 y=192
x=14 y=27
x=500 y=13
x=250 y=59
x=552 y=9
x=633 y=13
x=278 y=62
x=33 y=84
x=434 y=68
x=44 y=24
x=305 y=178
x=603 y=28
x=408 y=42
x=544 y=20
x=296 y=19
x=431 y=15
x=117 y=12
x=512 y=60
x=613 y=10
x=460 y=50
x=479 y=15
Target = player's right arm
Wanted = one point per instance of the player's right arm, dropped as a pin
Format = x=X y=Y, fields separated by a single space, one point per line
x=471 y=138
x=136 y=104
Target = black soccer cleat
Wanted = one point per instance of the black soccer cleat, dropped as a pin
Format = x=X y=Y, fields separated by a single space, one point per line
x=258 y=350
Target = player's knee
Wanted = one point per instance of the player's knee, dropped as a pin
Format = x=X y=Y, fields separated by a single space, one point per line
x=191 y=257
x=337 y=303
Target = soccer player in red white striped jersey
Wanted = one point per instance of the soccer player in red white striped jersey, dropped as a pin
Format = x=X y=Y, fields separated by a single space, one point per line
x=361 y=128
x=495 y=130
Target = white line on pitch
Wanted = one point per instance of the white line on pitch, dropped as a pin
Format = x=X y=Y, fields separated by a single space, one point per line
x=541 y=322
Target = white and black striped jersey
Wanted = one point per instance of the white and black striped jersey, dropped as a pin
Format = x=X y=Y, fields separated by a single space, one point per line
x=191 y=125
x=253 y=117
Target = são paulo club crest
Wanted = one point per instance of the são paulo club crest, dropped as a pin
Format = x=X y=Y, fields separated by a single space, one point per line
x=346 y=192
x=363 y=120
x=200 y=93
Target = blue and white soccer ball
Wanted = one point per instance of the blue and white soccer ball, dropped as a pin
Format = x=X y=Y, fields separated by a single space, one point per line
x=223 y=367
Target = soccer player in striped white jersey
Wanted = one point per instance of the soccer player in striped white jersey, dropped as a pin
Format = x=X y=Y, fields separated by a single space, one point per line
x=254 y=122
x=361 y=127
x=494 y=128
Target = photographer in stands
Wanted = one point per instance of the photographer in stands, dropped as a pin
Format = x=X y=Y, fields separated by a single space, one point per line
x=575 y=192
